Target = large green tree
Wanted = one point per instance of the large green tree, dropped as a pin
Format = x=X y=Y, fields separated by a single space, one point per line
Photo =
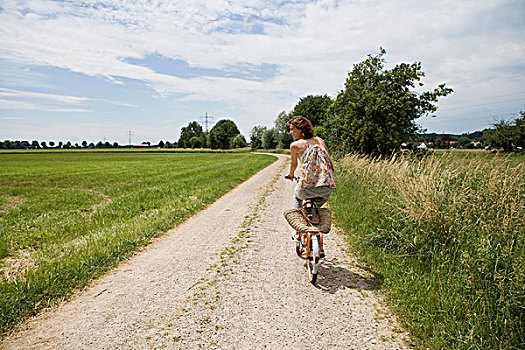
x=315 y=108
x=282 y=135
x=193 y=129
x=376 y=111
x=256 y=136
x=223 y=133
x=269 y=139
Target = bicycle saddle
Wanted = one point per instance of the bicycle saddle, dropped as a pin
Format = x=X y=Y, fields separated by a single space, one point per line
x=312 y=211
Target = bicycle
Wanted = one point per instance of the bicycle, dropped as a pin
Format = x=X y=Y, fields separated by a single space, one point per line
x=310 y=245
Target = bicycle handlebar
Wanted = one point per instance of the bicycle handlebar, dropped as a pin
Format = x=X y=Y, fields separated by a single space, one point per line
x=296 y=178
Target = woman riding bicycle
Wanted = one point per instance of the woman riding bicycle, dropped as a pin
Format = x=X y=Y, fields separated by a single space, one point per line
x=317 y=170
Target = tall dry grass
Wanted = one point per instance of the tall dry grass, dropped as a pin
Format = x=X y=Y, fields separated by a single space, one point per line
x=447 y=232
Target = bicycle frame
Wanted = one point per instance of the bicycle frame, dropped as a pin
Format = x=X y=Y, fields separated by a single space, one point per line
x=310 y=248
x=310 y=253
x=310 y=245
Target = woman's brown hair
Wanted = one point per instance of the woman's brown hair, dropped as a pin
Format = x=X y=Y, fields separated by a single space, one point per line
x=303 y=124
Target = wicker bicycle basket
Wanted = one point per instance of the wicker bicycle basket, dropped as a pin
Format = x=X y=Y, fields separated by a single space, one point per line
x=300 y=223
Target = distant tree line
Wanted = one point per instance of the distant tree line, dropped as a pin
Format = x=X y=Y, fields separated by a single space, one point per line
x=8 y=144
x=506 y=135
x=224 y=135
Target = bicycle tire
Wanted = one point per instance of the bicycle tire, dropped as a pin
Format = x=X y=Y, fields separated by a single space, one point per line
x=299 y=250
x=312 y=276
x=312 y=259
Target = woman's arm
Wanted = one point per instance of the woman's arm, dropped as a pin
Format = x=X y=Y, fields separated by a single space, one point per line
x=294 y=149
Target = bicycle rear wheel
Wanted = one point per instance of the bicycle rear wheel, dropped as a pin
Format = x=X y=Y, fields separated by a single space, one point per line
x=312 y=263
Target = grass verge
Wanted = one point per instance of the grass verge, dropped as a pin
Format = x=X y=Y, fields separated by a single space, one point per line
x=67 y=217
x=447 y=234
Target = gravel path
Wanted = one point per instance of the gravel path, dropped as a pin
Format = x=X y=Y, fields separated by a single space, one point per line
x=228 y=278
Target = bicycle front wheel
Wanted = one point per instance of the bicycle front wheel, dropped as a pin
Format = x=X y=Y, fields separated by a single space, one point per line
x=300 y=248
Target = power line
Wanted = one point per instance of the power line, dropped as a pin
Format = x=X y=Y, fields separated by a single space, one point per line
x=129 y=133
x=207 y=120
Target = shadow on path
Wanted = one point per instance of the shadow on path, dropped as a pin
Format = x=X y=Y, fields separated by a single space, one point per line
x=333 y=277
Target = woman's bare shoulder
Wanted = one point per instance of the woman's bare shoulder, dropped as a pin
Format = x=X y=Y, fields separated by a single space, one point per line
x=298 y=143
x=299 y=146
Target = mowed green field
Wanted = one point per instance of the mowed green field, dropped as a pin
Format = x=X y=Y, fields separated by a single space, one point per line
x=66 y=217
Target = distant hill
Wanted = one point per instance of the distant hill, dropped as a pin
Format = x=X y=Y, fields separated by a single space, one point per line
x=432 y=137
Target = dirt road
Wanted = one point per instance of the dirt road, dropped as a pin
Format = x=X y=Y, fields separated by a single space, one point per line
x=228 y=278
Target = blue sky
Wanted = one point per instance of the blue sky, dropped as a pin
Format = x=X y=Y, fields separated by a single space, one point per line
x=93 y=70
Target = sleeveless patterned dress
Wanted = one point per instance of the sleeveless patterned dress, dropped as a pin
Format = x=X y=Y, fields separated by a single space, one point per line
x=316 y=168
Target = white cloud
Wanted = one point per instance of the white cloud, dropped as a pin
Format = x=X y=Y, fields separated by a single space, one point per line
x=27 y=94
x=475 y=46
x=15 y=95
x=11 y=118
x=23 y=105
